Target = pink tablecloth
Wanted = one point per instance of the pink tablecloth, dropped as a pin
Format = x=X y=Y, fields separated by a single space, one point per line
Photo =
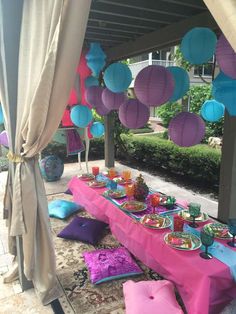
x=205 y=286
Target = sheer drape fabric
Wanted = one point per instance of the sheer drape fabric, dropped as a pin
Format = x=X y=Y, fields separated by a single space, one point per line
x=51 y=38
x=224 y=13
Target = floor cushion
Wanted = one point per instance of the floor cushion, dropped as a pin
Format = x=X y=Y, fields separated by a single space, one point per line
x=150 y=297
x=109 y=264
x=84 y=229
x=62 y=209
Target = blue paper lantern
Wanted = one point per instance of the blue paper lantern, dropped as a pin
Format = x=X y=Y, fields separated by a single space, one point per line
x=91 y=81
x=95 y=58
x=117 y=77
x=181 y=80
x=81 y=116
x=51 y=168
x=198 y=45
x=212 y=110
x=97 y=129
x=223 y=91
x=1 y=115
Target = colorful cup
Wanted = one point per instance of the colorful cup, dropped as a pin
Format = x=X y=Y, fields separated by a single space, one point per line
x=95 y=171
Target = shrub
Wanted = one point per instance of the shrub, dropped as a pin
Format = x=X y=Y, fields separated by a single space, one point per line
x=200 y=162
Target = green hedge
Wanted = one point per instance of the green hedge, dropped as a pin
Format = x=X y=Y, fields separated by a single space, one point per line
x=200 y=162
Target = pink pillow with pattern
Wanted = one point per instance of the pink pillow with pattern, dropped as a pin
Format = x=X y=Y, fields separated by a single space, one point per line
x=150 y=297
x=108 y=264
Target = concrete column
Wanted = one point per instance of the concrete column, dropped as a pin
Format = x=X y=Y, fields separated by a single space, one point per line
x=109 y=141
x=227 y=189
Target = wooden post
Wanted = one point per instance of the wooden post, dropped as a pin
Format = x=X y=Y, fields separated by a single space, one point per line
x=227 y=189
x=109 y=141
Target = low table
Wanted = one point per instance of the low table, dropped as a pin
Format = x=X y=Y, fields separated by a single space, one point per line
x=206 y=286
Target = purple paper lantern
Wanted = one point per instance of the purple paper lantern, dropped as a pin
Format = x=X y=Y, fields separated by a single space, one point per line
x=4 y=139
x=154 y=85
x=226 y=57
x=186 y=129
x=102 y=110
x=133 y=114
x=93 y=96
x=112 y=100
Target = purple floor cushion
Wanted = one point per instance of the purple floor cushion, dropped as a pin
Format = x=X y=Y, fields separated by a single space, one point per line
x=84 y=229
x=68 y=191
x=150 y=297
x=62 y=209
x=108 y=264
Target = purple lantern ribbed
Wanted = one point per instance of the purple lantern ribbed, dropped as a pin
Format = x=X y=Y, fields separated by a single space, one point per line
x=133 y=114
x=102 y=110
x=186 y=129
x=113 y=100
x=154 y=85
x=93 y=96
x=226 y=57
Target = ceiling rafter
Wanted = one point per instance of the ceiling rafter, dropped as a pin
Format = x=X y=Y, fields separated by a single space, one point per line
x=112 y=29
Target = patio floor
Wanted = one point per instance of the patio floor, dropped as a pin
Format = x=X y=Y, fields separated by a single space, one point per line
x=12 y=300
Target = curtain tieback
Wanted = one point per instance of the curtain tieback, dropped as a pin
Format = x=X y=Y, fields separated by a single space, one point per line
x=18 y=158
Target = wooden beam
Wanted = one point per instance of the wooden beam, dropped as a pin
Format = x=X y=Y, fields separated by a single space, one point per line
x=227 y=195
x=165 y=37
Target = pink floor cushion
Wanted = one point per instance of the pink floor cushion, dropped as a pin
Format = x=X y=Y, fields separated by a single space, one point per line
x=150 y=297
x=84 y=229
x=109 y=264
x=62 y=209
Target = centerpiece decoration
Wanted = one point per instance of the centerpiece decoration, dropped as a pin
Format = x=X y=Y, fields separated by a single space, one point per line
x=141 y=189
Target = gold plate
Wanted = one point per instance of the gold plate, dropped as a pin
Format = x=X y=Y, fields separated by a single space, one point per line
x=155 y=221
x=122 y=181
x=186 y=216
x=86 y=177
x=183 y=241
x=133 y=206
x=220 y=231
x=115 y=194
x=97 y=184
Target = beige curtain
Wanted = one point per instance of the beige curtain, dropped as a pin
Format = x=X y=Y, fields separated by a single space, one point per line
x=51 y=38
x=224 y=13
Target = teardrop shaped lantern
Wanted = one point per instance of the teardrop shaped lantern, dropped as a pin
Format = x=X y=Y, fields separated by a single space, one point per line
x=96 y=58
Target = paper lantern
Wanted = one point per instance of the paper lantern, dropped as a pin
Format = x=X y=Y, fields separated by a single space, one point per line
x=113 y=100
x=117 y=77
x=96 y=58
x=93 y=96
x=154 y=85
x=133 y=114
x=91 y=81
x=4 y=139
x=186 y=129
x=102 y=110
x=83 y=69
x=181 y=82
x=226 y=57
x=81 y=116
x=51 y=168
x=198 y=45
x=212 y=110
x=1 y=115
x=223 y=91
x=97 y=129
x=73 y=99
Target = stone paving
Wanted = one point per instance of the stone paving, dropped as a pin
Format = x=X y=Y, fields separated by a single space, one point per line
x=12 y=299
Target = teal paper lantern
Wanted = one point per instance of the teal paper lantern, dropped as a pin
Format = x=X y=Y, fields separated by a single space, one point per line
x=223 y=91
x=117 y=77
x=1 y=115
x=198 y=45
x=95 y=58
x=181 y=82
x=97 y=129
x=81 y=116
x=212 y=110
x=91 y=81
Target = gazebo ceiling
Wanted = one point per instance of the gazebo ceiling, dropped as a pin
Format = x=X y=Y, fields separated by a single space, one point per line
x=130 y=27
